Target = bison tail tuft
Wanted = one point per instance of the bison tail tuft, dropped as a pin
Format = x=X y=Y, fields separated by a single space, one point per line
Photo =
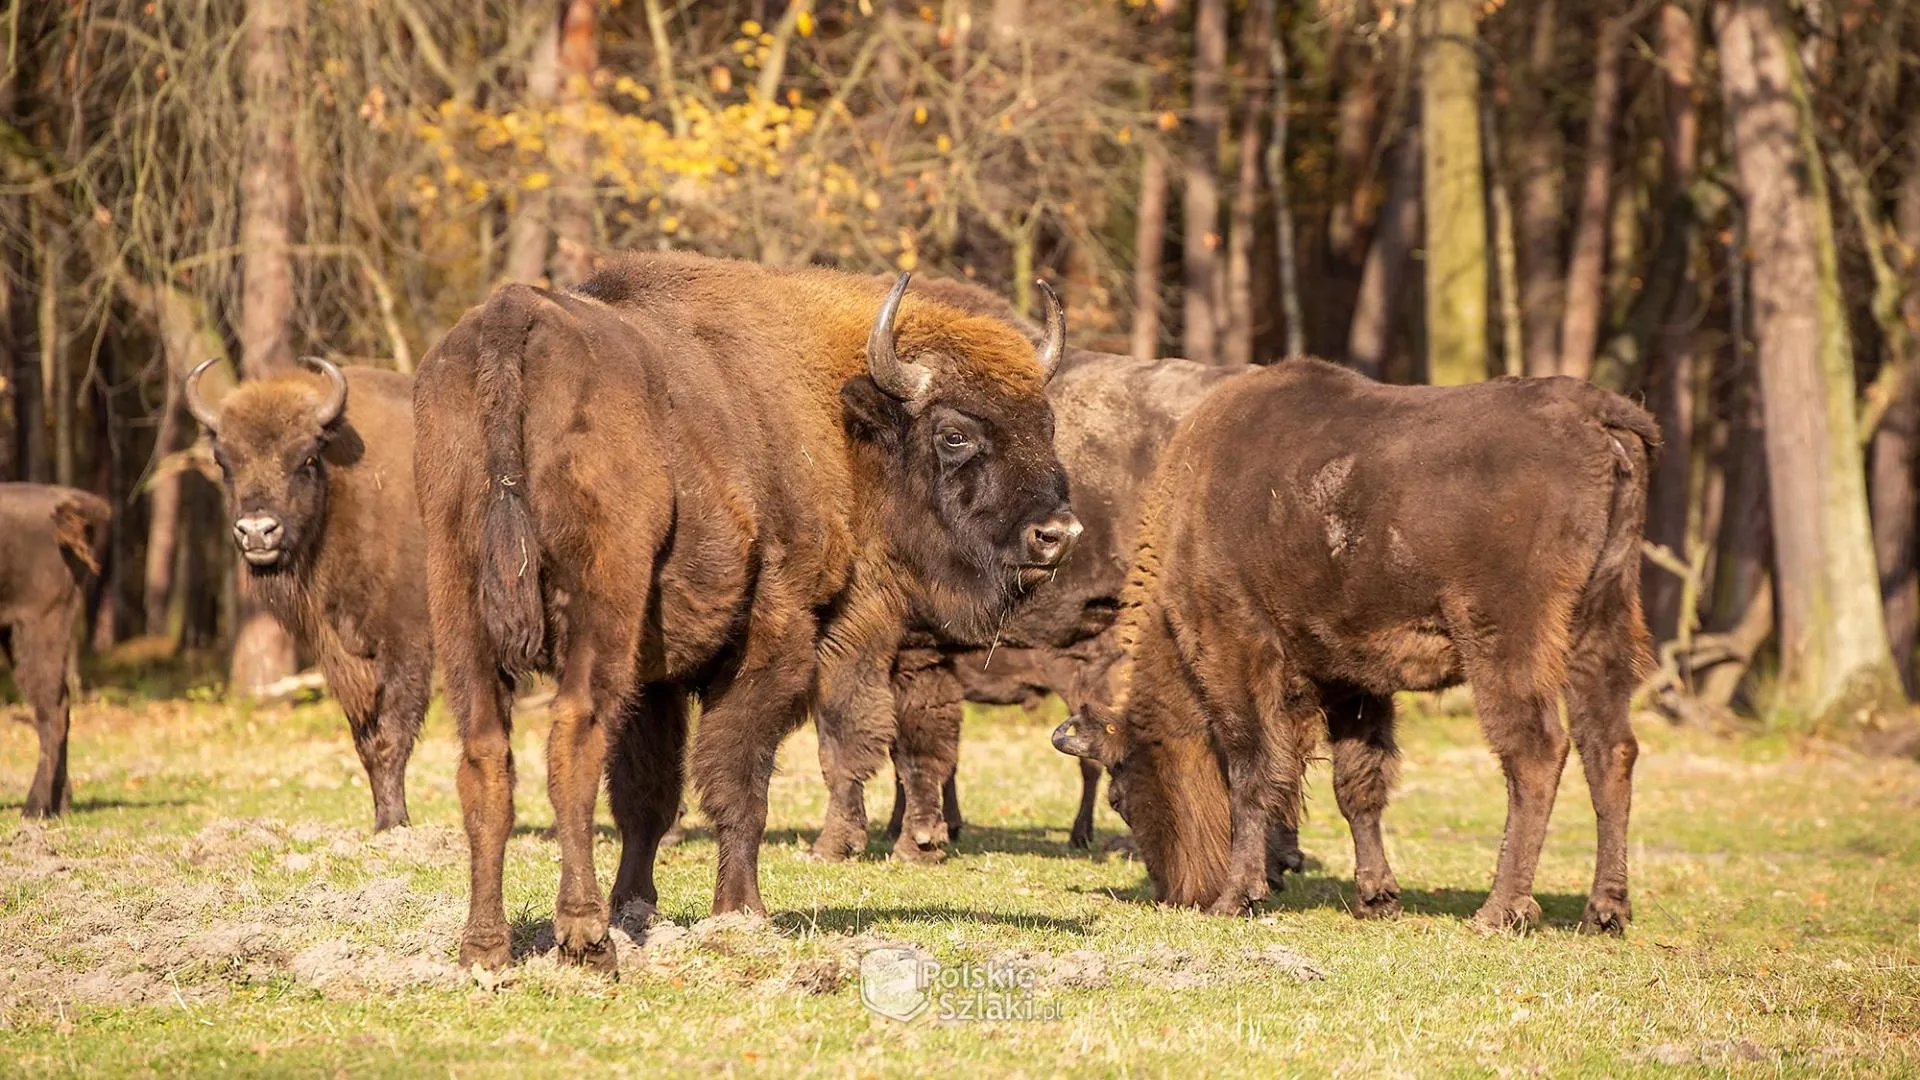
x=510 y=601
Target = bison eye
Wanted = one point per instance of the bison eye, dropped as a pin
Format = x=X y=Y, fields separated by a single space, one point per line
x=954 y=440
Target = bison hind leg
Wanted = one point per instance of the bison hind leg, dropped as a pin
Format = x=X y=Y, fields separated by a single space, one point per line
x=645 y=780
x=1365 y=764
x=926 y=751
x=40 y=669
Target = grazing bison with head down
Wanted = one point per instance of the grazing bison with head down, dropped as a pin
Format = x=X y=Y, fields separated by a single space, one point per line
x=1115 y=413
x=1317 y=542
x=319 y=475
x=51 y=540
x=692 y=476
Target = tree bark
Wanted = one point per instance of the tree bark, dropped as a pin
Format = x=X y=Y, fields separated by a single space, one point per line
x=1455 y=212
x=528 y=236
x=1580 y=319
x=1149 y=241
x=1283 y=242
x=573 y=198
x=1389 y=258
x=1834 y=653
x=1506 y=275
x=1541 y=173
x=1896 y=450
x=263 y=651
x=1200 y=313
x=1257 y=26
x=1672 y=496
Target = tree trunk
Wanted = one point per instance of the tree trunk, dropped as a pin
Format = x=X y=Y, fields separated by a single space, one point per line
x=1201 y=186
x=528 y=234
x=1896 y=448
x=1541 y=173
x=1580 y=320
x=1288 y=268
x=1389 y=258
x=1149 y=240
x=1506 y=275
x=263 y=651
x=573 y=198
x=1455 y=212
x=1258 y=25
x=1834 y=654
x=1671 y=498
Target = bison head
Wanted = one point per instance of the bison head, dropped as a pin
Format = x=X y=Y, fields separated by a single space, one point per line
x=955 y=406
x=1171 y=793
x=273 y=438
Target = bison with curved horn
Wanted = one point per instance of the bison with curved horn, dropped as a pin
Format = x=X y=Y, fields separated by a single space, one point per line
x=692 y=477
x=318 y=464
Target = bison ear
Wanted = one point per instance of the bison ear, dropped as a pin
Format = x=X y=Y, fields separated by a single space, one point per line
x=1092 y=733
x=871 y=414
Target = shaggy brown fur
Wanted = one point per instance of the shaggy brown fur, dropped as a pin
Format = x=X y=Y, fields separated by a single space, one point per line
x=685 y=478
x=1318 y=542
x=1116 y=414
x=51 y=540
x=348 y=569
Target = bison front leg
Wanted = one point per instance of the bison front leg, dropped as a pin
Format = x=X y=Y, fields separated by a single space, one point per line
x=854 y=713
x=384 y=740
x=926 y=751
x=1082 y=835
x=1365 y=765
x=645 y=779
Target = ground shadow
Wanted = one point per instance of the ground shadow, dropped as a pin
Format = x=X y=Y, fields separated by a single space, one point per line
x=852 y=920
x=545 y=832
x=85 y=806
x=1313 y=892
x=974 y=840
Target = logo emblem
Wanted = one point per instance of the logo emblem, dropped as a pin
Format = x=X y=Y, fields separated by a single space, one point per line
x=890 y=983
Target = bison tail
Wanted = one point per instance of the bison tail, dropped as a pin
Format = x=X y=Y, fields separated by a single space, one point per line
x=510 y=603
x=1616 y=575
x=80 y=522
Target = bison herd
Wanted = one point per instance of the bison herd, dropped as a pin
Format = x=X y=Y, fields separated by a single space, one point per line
x=782 y=493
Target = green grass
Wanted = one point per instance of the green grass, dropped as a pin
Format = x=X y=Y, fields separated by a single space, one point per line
x=216 y=903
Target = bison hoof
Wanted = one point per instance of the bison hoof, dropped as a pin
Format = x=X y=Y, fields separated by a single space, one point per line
x=1609 y=917
x=583 y=940
x=1121 y=845
x=1517 y=916
x=839 y=841
x=36 y=811
x=486 y=949
x=1080 y=839
x=908 y=851
x=1383 y=905
x=1238 y=900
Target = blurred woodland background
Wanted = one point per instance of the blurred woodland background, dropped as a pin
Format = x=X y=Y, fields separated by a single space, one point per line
x=1711 y=206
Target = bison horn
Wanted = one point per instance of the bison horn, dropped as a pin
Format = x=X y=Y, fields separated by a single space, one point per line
x=208 y=416
x=1054 y=348
x=336 y=402
x=903 y=380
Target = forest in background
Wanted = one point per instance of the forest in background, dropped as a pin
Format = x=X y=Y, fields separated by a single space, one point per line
x=1713 y=207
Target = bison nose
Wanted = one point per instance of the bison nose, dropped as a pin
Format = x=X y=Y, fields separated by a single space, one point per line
x=1049 y=541
x=257 y=532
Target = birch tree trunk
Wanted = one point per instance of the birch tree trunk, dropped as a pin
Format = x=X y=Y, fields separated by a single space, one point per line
x=1455 y=213
x=1896 y=447
x=528 y=234
x=1834 y=653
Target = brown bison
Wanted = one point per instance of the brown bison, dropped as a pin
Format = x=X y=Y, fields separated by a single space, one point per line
x=51 y=542
x=1317 y=542
x=692 y=476
x=319 y=474
x=1116 y=414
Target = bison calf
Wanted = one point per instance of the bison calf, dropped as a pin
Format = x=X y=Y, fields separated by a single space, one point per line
x=320 y=485
x=1317 y=542
x=50 y=540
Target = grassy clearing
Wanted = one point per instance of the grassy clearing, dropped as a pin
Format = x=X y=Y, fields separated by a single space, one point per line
x=216 y=902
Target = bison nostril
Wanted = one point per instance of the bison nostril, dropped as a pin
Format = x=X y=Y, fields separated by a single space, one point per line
x=1049 y=541
x=259 y=530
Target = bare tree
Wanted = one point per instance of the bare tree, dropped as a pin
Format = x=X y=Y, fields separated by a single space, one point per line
x=1149 y=238
x=573 y=198
x=1541 y=172
x=1258 y=26
x=1454 y=214
x=528 y=236
x=1834 y=652
x=1389 y=258
x=1896 y=440
x=1580 y=320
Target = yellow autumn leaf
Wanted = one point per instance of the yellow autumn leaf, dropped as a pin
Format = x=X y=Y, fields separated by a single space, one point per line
x=920 y=114
x=535 y=181
x=750 y=28
x=669 y=224
x=804 y=24
x=907 y=260
x=944 y=143
x=1168 y=121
